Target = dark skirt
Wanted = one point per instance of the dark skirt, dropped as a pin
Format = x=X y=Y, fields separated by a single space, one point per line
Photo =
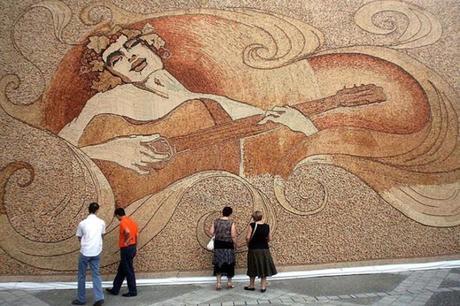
x=224 y=259
x=260 y=263
x=225 y=270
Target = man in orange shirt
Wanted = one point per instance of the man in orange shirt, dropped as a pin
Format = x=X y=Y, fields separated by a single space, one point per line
x=127 y=243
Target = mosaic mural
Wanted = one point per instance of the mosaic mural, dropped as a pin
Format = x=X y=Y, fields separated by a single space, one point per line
x=333 y=119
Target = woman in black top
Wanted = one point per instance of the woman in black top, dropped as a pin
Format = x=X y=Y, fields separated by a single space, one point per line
x=260 y=262
x=223 y=259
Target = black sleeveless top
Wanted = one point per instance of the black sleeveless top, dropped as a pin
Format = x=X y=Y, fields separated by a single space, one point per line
x=260 y=238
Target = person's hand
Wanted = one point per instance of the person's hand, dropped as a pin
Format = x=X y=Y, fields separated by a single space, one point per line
x=132 y=152
x=290 y=117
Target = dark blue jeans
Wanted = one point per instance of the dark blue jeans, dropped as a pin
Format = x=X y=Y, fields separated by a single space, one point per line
x=126 y=270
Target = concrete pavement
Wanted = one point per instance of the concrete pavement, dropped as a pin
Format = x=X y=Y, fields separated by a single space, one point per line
x=429 y=287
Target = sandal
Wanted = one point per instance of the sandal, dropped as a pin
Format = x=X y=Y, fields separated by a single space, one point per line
x=218 y=286
x=230 y=286
x=249 y=288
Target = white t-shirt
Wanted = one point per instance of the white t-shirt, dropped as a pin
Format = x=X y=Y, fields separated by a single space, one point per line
x=90 y=230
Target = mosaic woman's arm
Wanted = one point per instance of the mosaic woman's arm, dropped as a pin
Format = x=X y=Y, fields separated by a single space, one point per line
x=124 y=100
x=127 y=151
x=290 y=117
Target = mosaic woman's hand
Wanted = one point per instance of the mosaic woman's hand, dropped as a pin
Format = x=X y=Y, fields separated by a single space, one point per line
x=290 y=117
x=131 y=152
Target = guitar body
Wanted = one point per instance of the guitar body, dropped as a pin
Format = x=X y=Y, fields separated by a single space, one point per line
x=190 y=117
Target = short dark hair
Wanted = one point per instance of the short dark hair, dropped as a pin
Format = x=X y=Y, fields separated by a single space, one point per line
x=120 y=212
x=93 y=207
x=227 y=211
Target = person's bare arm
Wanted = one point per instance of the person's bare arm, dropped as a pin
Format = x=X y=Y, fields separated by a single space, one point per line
x=234 y=235
x=248 y=233
x=79 y=232
x=211 y=230
x=127 y=236
x=103 y=231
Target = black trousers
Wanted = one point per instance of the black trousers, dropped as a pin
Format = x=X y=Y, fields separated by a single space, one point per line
x=126 y=270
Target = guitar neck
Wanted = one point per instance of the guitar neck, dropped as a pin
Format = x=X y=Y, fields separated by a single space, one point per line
x=244 y=127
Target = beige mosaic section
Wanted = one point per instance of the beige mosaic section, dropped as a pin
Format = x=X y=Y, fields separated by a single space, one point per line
x=339 y=182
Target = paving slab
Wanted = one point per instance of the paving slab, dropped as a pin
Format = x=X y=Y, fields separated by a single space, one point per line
x=444 y=299
x=340 y=285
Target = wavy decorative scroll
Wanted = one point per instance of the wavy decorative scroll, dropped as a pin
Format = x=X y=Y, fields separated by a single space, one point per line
x=427 y=202
x=30 y=112
x=60 y=194
x=51 y=255
x=423 y=27
x=60 y=13
x=279 y=186
x=433 y=205
x=6 y=172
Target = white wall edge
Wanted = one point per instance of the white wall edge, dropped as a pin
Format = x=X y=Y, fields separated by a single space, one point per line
x=390 y=268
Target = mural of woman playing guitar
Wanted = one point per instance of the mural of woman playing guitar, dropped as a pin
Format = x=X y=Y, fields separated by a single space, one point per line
x=160 y=103
x=147 y=92
x=175 y=104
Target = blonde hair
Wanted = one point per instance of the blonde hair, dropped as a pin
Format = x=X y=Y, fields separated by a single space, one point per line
x=257 y=215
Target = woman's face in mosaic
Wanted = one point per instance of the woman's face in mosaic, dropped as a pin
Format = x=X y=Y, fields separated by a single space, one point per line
x=131 y=59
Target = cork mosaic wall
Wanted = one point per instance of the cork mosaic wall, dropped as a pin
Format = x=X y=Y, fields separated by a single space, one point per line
x=338 y=119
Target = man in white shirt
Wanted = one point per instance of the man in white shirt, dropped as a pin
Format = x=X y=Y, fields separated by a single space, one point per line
x=89 y=233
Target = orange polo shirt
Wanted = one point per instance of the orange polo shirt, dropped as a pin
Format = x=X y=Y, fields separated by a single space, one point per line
x=127 y=225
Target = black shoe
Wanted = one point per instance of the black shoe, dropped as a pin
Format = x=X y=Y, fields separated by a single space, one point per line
x=263 y=290
x=110 y=291
x=129 y=294
x=249 y=288
x=98 y=303
x=77 y=302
